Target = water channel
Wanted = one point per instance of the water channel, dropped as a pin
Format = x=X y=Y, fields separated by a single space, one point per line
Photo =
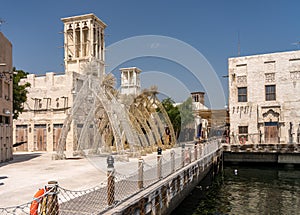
x=253 y=189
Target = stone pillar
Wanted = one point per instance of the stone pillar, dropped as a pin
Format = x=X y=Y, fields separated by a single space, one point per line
x=81 y=41
x=110 y=180
x=262 y=134
x=282 y=136
x=49 y=130
x=30 y=139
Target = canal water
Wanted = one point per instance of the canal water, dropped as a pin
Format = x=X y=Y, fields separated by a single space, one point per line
x=246 y=189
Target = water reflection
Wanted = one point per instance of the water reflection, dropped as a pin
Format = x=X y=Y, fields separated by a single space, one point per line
x=254 y=190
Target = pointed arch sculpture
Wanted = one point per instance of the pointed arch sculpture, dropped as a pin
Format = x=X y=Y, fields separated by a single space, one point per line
x=100 y=122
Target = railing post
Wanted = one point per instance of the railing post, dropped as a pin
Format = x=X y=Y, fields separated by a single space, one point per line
x=190 y=154
x=182 y=155
x=196 y=151
x=172 y=161
x=141 y=174
x=159 y=162
x=110 y=180
x=52 y=201
x=200 y=150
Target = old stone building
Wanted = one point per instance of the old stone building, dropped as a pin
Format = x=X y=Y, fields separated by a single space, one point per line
x=6 y=97
x=264 y=98
x=51 y=95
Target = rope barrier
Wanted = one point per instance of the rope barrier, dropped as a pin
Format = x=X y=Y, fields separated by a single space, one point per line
x=58 y=200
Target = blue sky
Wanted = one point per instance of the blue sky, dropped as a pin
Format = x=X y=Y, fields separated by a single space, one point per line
x=211 y=27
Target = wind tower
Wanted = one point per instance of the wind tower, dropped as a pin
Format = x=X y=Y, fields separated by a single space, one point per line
x=83 y=43
x=130 y=81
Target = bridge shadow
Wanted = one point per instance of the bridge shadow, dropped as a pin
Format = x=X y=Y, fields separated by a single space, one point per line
x=17 y=158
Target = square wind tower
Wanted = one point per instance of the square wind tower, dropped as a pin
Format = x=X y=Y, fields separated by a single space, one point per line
x=84 y=43
x=130 y=81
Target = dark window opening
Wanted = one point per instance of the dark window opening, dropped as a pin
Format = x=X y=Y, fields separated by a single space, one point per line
x=7 y=120
x=242 y=94
x=270 y=92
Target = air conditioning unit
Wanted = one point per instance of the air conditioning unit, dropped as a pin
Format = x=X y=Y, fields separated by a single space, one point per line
x=6 y=97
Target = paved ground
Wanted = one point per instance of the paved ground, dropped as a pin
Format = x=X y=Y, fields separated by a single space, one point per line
x=27 y=172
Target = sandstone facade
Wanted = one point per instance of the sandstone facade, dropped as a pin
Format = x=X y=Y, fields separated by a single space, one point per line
x=264 y=98
x=6 y=98
x=52 y=95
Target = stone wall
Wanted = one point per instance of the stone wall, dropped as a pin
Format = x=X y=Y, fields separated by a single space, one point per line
x=6 y=97
x=281 y=70
x=51 y=95
x=48 y=101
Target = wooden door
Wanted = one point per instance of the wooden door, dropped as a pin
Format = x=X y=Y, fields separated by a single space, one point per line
x=271 y=133
x=40 y=138
x=21 y=138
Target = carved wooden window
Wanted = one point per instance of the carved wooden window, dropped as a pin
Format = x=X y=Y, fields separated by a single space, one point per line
x=242 y=94
x=270 y=92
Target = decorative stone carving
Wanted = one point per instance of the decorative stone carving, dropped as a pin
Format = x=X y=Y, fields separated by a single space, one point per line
x=295 y=75
x=242 y=80
x=271 y=116
x=270 y=77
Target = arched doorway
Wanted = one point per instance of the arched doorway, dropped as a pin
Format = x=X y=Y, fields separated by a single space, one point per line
x=271 y=126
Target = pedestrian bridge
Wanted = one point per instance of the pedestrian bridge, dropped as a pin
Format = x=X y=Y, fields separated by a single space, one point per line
x=155 y=186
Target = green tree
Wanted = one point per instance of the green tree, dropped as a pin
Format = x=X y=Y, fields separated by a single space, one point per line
x=187 y=120
x=19 y=92
x=174 y=114
x=186 y=112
